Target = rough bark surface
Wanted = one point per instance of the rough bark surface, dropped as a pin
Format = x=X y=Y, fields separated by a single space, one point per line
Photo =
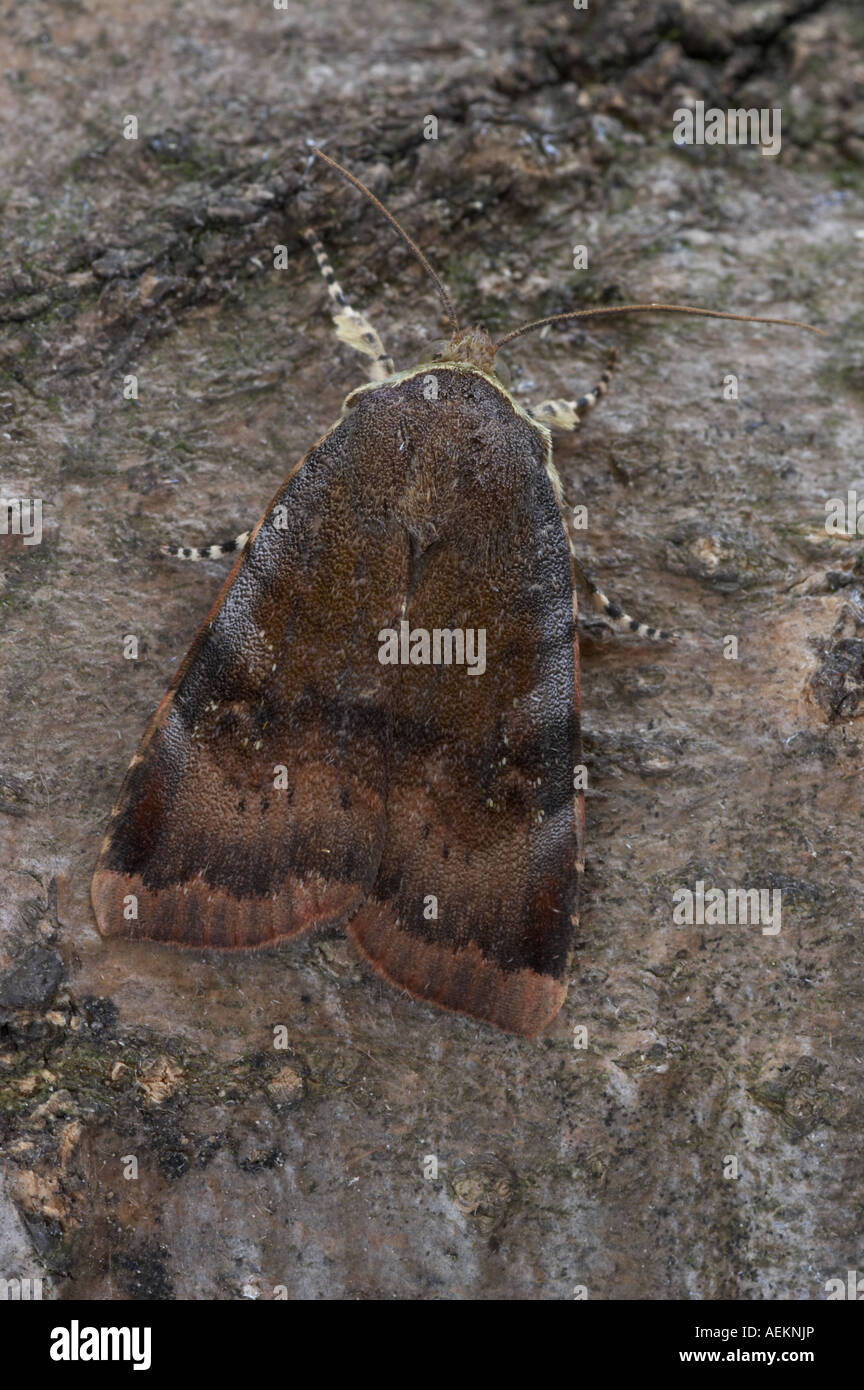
x=307 y=1168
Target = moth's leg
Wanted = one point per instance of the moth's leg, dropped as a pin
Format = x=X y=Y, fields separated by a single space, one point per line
x=613 y=613
x=566 y=415
x=206 y=552
x=353 y=328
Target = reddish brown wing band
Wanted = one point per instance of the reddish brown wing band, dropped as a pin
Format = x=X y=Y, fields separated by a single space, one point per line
x=431 y=809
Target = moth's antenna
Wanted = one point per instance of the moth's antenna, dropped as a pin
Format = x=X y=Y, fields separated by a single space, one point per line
x=659 y=308
x=442 y=293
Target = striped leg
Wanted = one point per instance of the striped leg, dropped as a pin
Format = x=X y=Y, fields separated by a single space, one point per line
x=205 y=552
x=353 y=328
x=612 y=613
x=566 y=415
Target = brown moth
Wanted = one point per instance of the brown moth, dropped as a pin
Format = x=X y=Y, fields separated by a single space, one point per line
x=313 y=764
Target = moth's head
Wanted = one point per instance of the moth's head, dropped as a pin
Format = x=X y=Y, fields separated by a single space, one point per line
x=470 y=345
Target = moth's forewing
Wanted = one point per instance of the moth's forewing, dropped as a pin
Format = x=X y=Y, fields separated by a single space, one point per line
x=474 y=904
x=211 y=842
x=438 y=803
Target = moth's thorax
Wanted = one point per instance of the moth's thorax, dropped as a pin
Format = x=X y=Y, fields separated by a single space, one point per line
x=449 y=371
x=471 y=345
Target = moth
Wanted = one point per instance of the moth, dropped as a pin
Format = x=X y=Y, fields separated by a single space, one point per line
x=314 y=764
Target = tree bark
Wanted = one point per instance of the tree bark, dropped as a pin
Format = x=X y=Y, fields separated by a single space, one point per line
x=158 y=1143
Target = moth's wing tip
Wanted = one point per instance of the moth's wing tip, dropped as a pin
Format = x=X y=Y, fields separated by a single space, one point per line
x=523 y=1001
x=104 y=896
x=196 y=916
x=125 y=909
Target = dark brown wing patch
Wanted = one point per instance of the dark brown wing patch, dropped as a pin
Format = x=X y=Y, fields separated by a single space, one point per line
x=482 y=829
x=255 y=807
